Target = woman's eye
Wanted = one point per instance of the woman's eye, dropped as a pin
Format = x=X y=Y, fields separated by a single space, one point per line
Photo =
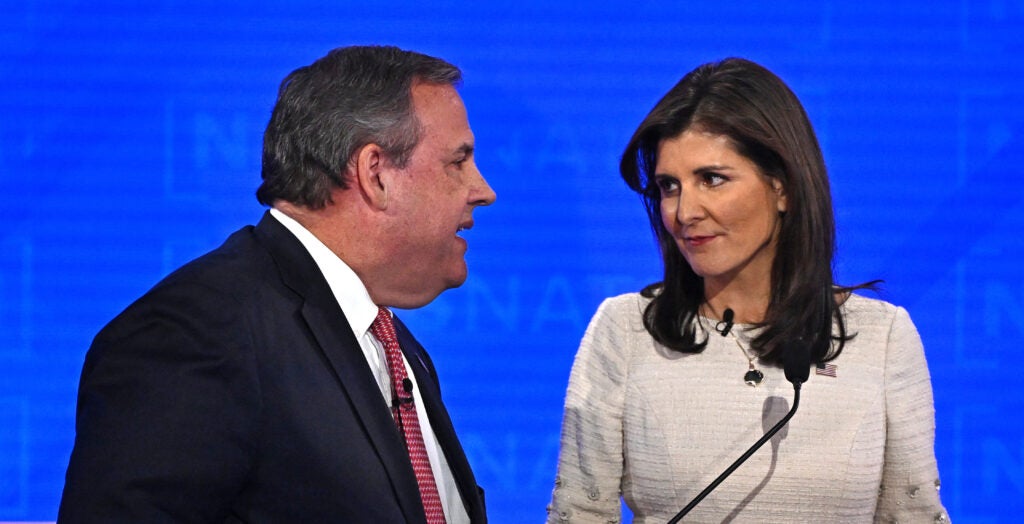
x=666 y=185
x=713 y=179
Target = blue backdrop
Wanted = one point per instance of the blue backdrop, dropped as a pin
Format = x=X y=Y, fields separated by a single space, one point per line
x=130 y=143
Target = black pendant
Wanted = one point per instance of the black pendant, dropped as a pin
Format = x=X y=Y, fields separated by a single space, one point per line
x=753 y=377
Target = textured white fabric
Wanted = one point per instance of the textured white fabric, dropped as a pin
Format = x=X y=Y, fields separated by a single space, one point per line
x=657 y=426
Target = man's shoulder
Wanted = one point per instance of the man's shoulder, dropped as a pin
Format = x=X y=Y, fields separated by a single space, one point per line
x=241 y=272
x=239 y=259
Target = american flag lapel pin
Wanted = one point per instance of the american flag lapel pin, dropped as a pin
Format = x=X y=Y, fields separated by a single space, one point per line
x=826 y=369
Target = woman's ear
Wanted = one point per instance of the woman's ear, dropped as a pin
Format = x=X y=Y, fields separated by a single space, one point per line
x=780 y=193
x=367 y=165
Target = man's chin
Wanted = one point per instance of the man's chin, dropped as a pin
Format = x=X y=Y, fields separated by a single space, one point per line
x=458 y=280
x=424 y=296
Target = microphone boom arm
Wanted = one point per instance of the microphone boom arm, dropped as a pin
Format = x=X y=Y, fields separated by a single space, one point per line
x=757 y=445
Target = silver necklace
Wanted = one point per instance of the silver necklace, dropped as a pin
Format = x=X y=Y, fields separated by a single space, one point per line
x=753 y=376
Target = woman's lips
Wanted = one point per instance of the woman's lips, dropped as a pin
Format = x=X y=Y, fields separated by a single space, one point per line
x=697 y=241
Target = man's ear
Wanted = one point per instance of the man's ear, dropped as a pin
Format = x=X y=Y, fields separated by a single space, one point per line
x=367 y=166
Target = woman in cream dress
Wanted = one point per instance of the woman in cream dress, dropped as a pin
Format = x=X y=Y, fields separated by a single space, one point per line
x=672 y=384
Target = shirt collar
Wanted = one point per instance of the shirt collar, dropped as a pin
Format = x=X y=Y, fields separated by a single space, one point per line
x=348 y=290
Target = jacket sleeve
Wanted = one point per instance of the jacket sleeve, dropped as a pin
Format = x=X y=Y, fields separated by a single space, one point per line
x=910 y=477
x=590 y=463
x=167 y=407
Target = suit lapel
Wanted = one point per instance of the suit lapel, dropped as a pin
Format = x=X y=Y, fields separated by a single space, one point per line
x=441 y=422
x=326 y=321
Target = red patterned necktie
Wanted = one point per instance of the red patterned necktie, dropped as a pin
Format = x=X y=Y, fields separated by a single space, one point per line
x=404 y=410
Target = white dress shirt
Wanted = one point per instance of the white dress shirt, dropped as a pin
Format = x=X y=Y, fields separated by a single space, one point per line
x=360 y=311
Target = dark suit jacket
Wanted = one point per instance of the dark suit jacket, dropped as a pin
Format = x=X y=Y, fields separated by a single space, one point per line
x=235 y=391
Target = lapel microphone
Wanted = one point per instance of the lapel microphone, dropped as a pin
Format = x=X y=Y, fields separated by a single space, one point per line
x=725 y=325
x=402 y=400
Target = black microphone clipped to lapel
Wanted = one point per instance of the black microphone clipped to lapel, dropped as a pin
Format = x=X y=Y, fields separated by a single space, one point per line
x=725 y=325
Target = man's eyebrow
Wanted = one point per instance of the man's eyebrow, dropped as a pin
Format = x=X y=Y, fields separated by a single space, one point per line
x=465 y=149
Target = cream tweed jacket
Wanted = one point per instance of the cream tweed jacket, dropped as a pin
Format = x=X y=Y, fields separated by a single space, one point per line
x=653 y=427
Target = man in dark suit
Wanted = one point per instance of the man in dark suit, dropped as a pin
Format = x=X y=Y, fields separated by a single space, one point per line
x=262 y=382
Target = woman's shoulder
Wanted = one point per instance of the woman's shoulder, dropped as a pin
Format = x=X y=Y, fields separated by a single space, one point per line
x=862 y=312
x=625 y=301
x=624 y=306
x=866 y=308
x=623 y=311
